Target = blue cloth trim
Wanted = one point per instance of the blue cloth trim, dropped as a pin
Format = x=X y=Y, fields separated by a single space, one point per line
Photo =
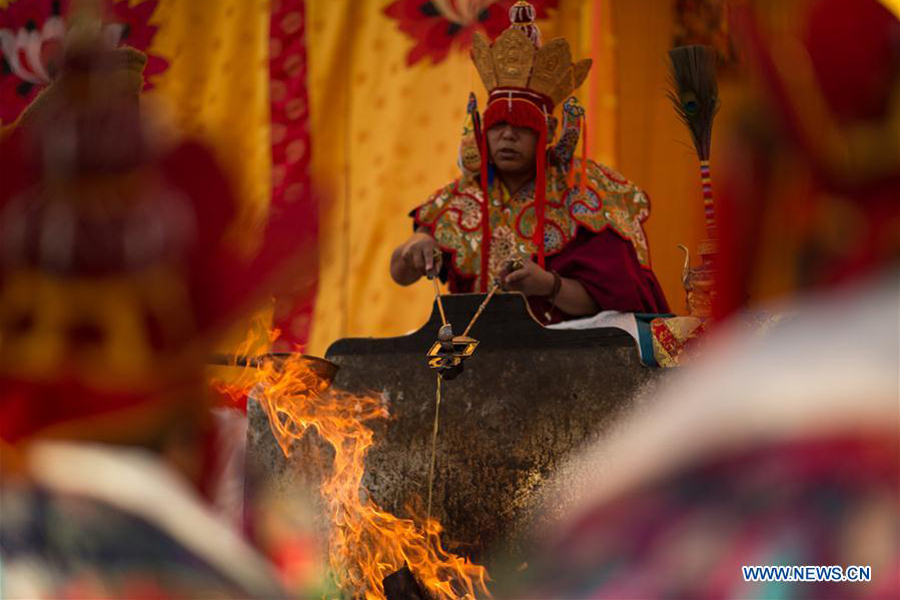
x=645 y=336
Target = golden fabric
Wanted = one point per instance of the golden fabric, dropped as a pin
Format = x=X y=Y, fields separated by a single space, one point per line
x=454 y=216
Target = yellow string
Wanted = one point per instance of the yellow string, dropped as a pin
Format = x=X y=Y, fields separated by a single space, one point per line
x=437 y=296
x=437 y=410
x=437 y=394
x=481 y=308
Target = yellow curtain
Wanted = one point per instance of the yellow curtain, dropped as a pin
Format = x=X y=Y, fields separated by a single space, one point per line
x=216 y=88
x=385 y=136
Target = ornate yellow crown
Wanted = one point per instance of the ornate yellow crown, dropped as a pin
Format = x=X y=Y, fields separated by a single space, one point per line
x=517 y=60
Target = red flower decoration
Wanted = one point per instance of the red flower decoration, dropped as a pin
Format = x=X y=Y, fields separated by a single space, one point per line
x=437 y=27
x=31 y=34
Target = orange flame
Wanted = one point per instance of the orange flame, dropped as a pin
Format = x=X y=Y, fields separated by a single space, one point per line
x=366 y=543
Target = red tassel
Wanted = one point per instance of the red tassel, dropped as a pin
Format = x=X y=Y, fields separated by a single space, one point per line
x=485 y=212
x=540 y=194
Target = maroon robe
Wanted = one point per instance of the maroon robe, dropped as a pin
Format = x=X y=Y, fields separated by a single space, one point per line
x=604 y=263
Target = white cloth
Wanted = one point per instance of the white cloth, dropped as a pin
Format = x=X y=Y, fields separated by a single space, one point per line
x=607 y=318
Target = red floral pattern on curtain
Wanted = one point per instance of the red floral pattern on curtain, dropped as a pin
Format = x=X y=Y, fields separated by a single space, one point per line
x=290 y=161
x=436 y=27
x=31 y=34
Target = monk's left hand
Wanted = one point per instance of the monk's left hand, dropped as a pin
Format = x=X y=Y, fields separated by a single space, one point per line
x=531 y=279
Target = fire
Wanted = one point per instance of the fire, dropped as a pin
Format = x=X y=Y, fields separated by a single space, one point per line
x=366 y=543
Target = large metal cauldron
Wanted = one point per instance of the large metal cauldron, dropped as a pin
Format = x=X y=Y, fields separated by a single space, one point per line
x=528 y=399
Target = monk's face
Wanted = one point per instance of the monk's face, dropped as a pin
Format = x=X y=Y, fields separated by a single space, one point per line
x=512 y=148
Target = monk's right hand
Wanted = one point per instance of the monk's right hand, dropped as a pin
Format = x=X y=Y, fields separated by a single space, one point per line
x=421 y=255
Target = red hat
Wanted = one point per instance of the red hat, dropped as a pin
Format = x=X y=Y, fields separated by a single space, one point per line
x=524 y=81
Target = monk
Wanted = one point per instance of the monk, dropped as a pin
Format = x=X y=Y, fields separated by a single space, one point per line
x=484 y=226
